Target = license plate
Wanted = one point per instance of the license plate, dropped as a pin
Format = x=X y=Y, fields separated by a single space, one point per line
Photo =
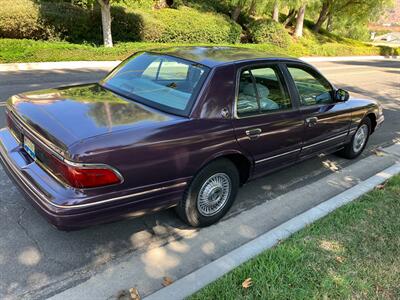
x=29 y=147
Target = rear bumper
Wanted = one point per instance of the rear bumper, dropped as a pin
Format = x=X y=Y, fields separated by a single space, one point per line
x=70 y=209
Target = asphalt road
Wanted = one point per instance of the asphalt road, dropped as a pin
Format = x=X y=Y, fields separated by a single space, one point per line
x=34 y=256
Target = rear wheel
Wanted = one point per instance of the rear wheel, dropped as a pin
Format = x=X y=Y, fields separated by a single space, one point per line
x=210 y=195
x=358 y=141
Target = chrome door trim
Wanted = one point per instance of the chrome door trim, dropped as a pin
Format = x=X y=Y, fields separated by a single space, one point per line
x=299 y=149
x=276 y=156
x=325 y=141
x=352 y=131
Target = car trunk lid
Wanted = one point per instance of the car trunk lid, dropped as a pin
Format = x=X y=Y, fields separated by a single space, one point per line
x=65 y=116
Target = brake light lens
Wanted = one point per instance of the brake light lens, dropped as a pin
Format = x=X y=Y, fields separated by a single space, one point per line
x=79 y=177
x=88 y=178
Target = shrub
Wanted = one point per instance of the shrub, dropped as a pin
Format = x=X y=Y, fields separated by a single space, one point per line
x=269 y=31
x=187 y=25
x=71 y=23
x=46 y=21
x=21 y=19
x=63 y=21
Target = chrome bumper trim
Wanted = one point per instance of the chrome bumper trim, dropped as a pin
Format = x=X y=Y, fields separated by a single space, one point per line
x=45 y=143
x=8 y=163
x=48 y=146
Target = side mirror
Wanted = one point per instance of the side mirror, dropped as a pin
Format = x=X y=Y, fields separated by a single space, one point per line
x=342 y=95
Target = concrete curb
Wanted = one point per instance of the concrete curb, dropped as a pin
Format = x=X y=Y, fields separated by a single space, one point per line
x=347 y=58
x=196 y=248
x=198 y=279
x=70 y=65
x=107 y=65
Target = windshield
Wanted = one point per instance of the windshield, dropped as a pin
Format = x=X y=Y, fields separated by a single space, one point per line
x=160 y=81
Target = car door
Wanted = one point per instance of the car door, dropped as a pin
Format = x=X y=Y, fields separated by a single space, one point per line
x=267 y=123
x=326 y=121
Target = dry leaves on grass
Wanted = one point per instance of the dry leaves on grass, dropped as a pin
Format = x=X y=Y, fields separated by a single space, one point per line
x=339 y=259
x=370 y=212
x=167 y=281
x=380 y=186
x=247 y=283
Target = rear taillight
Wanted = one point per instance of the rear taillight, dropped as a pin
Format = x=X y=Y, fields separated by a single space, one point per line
x=77 y=176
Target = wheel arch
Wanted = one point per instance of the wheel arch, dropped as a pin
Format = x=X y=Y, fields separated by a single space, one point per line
x=243 y=163
x=372 y=117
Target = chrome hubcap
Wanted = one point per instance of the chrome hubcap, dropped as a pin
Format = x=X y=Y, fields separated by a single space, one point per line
x=214 y=194
x=360 y=138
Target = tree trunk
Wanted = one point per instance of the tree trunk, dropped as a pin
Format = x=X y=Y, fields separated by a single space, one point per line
x=329 y=25
x=292 y=13
x=275 y=12
x=323 y=15
x=236 y=13
x=106 y=22
x=253 y=8
x=298 y=31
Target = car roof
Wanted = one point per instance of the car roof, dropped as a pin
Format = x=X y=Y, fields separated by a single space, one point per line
x=216 y=56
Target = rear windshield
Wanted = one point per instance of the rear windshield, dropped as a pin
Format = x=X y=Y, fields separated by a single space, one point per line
x=160 y=81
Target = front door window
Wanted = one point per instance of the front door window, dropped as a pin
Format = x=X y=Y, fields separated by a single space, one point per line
x=313 y=88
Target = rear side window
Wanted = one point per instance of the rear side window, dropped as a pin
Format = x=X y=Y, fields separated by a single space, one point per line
x=312 y=87
x=260 y=91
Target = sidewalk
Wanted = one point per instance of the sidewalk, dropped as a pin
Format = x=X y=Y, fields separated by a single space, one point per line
x=196 y=249
x=107 y=65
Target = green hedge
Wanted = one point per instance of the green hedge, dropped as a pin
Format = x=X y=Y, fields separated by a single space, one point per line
x=21 y=19
x=63 y=21
x=189 y=26
x=269 y=31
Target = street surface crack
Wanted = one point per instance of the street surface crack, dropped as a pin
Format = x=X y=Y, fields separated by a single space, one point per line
x=34 y=241
x=19 y=222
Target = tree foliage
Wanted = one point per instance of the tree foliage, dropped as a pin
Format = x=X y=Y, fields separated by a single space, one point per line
x=358 y=12
x=347 y=18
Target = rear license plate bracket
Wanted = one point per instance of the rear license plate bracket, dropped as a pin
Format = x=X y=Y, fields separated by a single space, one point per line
x=29 y=147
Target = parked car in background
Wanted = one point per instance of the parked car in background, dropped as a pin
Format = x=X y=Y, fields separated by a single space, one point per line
x=183 y=128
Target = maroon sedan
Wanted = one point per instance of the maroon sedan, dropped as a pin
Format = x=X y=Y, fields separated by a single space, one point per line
x=182 y=127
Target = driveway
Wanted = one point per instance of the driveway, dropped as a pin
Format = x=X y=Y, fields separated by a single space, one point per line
x=33 y=255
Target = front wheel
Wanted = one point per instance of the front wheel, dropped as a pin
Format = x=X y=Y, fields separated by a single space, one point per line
x=358 y=141
x=210 y=195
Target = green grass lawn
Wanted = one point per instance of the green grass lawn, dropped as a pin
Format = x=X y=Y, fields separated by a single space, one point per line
x=14 y=50
x=354 y=253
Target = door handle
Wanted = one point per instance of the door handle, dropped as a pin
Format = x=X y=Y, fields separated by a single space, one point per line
x=312 y=121
x=254 y=133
